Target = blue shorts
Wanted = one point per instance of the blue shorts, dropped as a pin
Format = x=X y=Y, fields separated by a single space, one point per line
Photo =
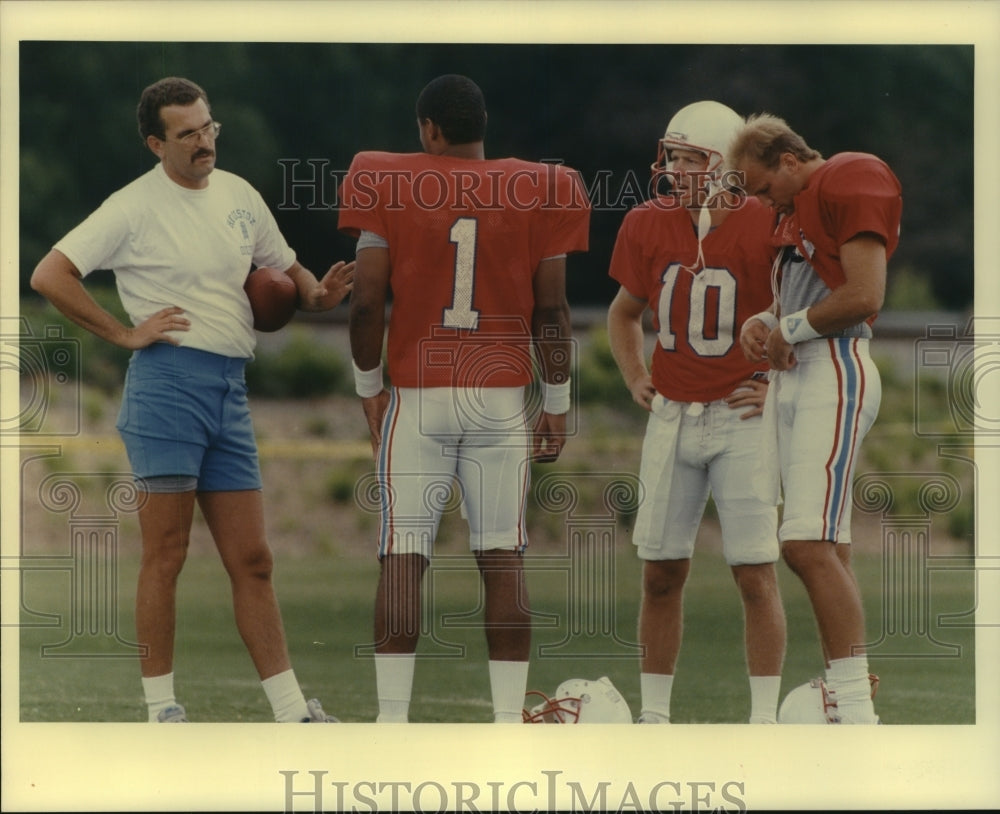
x=184 y=413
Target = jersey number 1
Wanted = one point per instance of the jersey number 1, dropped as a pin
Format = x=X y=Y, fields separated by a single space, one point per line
x=461 y=314
x=704 y=338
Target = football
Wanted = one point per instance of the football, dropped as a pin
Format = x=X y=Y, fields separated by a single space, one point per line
x=273 y=298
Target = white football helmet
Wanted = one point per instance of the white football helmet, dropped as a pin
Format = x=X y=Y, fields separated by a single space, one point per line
x=579 y=701
x=810 y=703
x=814 y=703
x=706 y=127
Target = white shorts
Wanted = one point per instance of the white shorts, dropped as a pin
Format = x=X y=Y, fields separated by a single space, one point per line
x=689 y=451
x=826 y=405
x=433 y=436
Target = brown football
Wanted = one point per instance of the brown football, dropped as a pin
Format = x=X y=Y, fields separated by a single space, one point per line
x=273 y=298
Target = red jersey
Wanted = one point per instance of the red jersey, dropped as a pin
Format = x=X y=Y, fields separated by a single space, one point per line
x=850 y=194
x=697 y=314
x=465 y=238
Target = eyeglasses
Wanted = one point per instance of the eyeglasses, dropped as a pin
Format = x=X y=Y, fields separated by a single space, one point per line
x=210 y=131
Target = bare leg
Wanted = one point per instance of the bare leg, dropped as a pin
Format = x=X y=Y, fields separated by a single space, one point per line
x=165 y=523
x=507 y=626
x=236 y=520
x=844 y=555
x=661 y=614
x=507 y=622
x=764 y=618
x=397 y=603
x=833 y=592
x=661 y=628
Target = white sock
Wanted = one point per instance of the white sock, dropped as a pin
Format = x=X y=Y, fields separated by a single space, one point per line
x=508 y=684
x=849 y=679
x=287 y=700
x=394 y=684
x=764 y=692
x=656 y=689
x=159 y=694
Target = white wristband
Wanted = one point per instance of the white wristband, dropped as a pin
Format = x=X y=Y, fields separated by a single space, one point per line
x=367 y=383
x=769 y=319
x=796 y=328
x=556 y=398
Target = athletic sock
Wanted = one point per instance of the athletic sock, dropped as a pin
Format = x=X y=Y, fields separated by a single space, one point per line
x=656 y=689
x=848 y=678
x=764 y=692
x=394 y=685
x=159 y=694
x=287 y=700
x=508 y=684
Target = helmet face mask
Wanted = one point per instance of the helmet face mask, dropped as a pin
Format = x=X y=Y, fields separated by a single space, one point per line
x=552 y=711
x=578 y=701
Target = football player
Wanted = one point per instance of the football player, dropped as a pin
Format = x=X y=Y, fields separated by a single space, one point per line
x=840 y=226
x=699 y=259
x=473 y=251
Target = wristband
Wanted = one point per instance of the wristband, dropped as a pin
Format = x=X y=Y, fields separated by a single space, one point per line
x=796 y=328
x=769 y=319
x=556 y=397
x=367 y=383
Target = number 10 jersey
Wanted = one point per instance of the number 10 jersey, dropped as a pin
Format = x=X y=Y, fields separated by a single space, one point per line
x=697 y=311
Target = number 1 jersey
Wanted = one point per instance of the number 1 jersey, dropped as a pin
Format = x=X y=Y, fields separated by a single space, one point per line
x=465 y=237
x=697 y=312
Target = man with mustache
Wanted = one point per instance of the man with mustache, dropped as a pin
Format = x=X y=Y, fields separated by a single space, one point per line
x=181 y=239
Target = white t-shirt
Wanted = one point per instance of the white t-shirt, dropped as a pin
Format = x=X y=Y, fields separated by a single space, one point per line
x=169 y=245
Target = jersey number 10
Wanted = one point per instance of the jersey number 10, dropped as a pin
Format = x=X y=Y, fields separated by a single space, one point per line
x=708 y=334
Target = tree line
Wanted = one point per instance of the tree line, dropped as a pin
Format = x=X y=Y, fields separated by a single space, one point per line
x=294 y=114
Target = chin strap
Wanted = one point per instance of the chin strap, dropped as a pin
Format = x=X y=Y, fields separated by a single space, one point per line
x=776 y=271
x=712 y=191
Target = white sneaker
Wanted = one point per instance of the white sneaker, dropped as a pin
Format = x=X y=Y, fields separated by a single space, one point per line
x=174 y=714
x=316 y=714
x=653 y=718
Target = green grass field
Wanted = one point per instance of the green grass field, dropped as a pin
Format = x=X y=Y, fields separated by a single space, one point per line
x=326 y=602
x=315 y=453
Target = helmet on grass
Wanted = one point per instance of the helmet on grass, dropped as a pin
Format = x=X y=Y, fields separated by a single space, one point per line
x=579 y=701
x=815 y=703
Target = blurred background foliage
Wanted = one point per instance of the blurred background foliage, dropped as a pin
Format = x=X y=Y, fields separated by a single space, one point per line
x=294 y=110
